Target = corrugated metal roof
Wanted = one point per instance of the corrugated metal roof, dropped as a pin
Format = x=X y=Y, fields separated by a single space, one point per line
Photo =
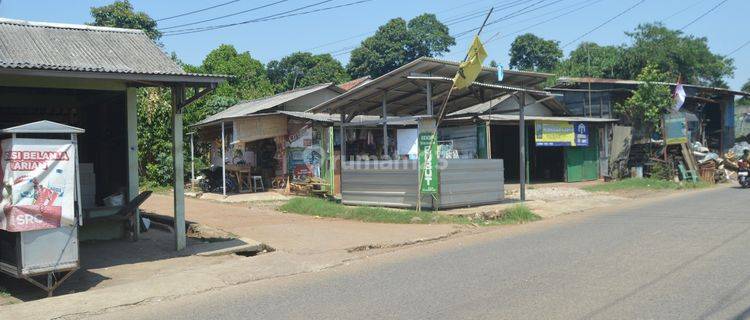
x=566 y=82
x=69 y=47
x=490 y=106
x=515 y=117
x=245 y=108
x=406 y=96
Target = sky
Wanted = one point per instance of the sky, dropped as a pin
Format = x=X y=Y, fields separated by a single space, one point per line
x=338 y=30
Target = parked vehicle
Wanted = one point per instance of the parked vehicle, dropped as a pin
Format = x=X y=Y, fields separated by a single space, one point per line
x=743 y=174
x=210 y=180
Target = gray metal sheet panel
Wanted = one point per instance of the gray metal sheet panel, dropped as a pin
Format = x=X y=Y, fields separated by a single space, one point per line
x=465 y=182
x=49 y=250
x=394 y=183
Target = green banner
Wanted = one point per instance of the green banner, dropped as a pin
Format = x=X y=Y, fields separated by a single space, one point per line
x=428 y=164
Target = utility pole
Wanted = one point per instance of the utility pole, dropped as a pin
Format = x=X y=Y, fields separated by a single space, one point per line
x=522 y=144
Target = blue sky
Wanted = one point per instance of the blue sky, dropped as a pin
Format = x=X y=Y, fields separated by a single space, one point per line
x=726 y=27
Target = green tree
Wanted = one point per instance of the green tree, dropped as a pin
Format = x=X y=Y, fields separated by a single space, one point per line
x=670 y=51
x=745 y=101
x=676 y=54
x=121 y=14
x=592 y=60
x=529 y=52
x=301 y=69
x=249 y=80
x=398 y=42
x=649 y=102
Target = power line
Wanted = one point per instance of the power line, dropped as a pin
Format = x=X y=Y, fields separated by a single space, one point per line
x=704 y=14
x=505 y=17
x=605 y=22
x=686 y=8
x=451 y=20
x=224 y=16
x=206 y=28
x=199 y=10
x=738 y=48
x=276 y=16
x=576 y=7
x=586 y=4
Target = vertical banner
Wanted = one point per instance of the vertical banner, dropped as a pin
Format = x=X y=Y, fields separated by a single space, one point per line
x=428 y=163
x=38 y=184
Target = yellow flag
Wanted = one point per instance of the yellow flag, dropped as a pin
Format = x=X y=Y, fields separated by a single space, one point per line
x=470 y=69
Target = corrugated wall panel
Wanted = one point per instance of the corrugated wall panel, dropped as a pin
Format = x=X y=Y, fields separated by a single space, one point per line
x=394 y=183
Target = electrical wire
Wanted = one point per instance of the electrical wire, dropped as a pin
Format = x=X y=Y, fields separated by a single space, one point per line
x=605 y=23
x=704 y=14
x=584 y=4
x=224 y=16
x=731 y=53
x=686 y=8
x=199 y=10
x=277 y=16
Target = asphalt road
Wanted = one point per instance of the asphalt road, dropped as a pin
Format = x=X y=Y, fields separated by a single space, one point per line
x=685 y=257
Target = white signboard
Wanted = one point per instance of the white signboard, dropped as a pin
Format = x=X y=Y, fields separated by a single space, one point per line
x=406 y=140
x=38 y=184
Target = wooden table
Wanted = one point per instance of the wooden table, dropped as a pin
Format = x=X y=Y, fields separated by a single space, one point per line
x=238 y=170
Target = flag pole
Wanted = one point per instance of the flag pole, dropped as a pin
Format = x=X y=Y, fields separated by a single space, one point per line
x=447 y=96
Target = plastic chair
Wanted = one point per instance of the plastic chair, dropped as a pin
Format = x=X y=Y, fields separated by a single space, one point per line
x=258 y=184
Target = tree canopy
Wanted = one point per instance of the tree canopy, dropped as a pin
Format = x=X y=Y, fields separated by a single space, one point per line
x=592 y=60
x=250 y=79
x=301 y=69
x=649 y=101
x=397 y=43
x=532 y=53
x=121 y=14
x=669 y=51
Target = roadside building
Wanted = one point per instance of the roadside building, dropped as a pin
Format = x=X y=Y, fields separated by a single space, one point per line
x=708 y=115
x=478 y=139
x=272 y=138
x=87 y=77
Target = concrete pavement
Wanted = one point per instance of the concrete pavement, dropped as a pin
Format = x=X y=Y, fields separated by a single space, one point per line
x=682 y=257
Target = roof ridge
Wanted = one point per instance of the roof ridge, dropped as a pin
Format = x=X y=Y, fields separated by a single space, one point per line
x=53 y=25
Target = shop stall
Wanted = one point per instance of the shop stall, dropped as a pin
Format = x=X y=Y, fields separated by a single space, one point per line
x=419 y=171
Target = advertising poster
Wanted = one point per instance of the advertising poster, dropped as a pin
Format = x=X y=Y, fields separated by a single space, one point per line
x=675 y=128
x=428 y=164
x=38 y=184
x=561 y=134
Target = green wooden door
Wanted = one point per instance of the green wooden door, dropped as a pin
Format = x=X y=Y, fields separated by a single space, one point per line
x=582 y=163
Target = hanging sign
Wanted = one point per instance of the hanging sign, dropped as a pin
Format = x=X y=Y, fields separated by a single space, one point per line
x=38 y=184
x=428 y=163
x=561 y=134
x=675 y=128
